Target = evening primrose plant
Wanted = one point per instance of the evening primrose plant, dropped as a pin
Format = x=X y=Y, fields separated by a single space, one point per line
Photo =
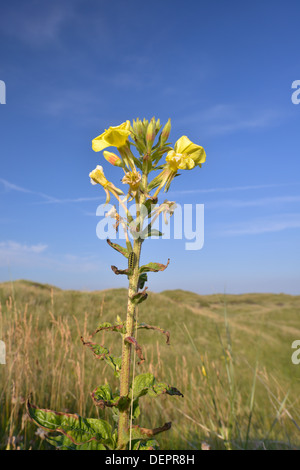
x=150 y=142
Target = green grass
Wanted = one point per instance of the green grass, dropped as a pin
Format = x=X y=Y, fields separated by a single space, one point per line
x=229 y=355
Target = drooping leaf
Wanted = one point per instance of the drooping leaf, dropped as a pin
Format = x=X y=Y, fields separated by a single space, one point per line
x=138 y=432
x=153 y=267
x=145 y=384
x=143 y=278
x=150 y=232
x=106 y=326
x=103 y=397
x=157 y=328
x=102 y=353
x=115 y=363
x=99 y=351
x=120 y=271
x=77 y=429
x=161 y=388
x=118 y=248
x=139 y=297
x=131 y=340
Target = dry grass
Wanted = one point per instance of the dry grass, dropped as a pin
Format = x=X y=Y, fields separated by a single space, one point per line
x=231 y=401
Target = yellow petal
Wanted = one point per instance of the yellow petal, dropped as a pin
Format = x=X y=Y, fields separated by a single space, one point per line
x=114 y=136
x=181 y=144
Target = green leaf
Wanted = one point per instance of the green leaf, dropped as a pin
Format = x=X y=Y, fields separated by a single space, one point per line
x=102 y=353
x=118 y=248
x=77 y=429
x=140 y=297
x=150 y=232
x=153 y=267
x=99 y=351
x=141 y=384
x=102 y=393
x=143 y=278
x=136 y=409
x=103 y=397
x=106 y=326
x=115 y=363
x=63 y=443
x=151 y=444
x=150 y=204
x=145 y=384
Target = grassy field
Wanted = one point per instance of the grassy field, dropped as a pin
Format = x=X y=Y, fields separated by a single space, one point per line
x=229 y=355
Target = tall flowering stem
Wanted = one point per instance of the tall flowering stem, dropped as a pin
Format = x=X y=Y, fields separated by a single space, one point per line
x=124 y=416
x=70 y=431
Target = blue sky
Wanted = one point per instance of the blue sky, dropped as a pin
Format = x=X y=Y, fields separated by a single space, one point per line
x=222 y=71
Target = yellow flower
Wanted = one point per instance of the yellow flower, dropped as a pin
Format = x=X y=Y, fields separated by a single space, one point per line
x=97 y=177
x=185 y=155
x=112 y=137
x=133 y=178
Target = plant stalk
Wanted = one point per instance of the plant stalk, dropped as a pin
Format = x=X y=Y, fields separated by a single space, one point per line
x=124 y=415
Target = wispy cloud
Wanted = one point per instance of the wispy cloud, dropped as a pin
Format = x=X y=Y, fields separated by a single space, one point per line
x=229 y=189
x=46 y=199
x=8 y=186
x=262 y=225
x=15 y=247
x=15 y=254
x=226 y=119
x=267 y=201
x=35 y=23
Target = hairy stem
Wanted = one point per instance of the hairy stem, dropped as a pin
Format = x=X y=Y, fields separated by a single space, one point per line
x=124 y=416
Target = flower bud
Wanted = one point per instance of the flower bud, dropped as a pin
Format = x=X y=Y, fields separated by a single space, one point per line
x=165 y=132
x=150 y=134
x=112 y=158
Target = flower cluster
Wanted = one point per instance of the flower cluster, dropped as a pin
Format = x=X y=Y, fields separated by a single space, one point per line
x=184 y=156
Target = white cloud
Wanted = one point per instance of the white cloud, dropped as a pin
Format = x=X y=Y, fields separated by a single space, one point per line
x=267 y=201
x=15 y=254
x=14 y=249
x=224 y=119
x=229 y=189
x=35 y=23
x=262 y=225
x=46 y=198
